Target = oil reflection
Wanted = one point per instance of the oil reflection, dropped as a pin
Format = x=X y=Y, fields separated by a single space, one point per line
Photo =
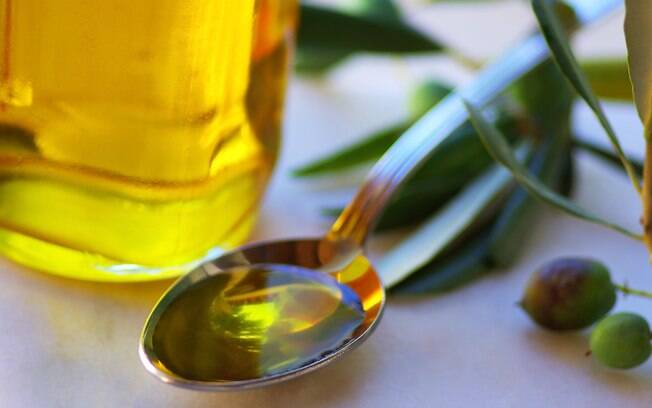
x=255 y=321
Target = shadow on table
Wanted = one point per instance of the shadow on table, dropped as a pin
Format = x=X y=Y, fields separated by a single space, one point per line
x=571 y=349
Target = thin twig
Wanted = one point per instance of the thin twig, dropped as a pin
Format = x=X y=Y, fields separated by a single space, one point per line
x=636 y=292
x=646 y=219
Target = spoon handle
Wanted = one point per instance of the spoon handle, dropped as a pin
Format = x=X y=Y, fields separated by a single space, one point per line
x=414 y=147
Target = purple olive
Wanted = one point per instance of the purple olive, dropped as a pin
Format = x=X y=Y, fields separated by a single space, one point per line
x=569 y=294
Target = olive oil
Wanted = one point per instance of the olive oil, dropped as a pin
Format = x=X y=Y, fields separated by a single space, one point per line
x=136 y=136
x=251 y=323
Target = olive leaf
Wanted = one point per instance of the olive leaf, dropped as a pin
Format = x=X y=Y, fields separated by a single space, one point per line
x=364 y=151
x=423 y=97
x=609 y=78
x=554 y=34
x=458 y=160
x=327 y=29
x=436 y=233
x=607 y=155
x=318 y=61
x=638 y=36
x=548 y=100
x=451 y=271
x=381 y=9
x=493 y=245
x=552 y=164
x=498 y=147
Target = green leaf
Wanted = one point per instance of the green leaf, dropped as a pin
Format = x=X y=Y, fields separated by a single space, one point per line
x=548 y=99
x=609 y=78
x=424 y=97
x=317 y=62
x=608 y=155
x=638 y=36
x=558 y=43
x=380 y=9
x=326 y=29
x=364 y=151
x=494 y=245
x=460 y=154
x=417 y=201
x=458 y=160
x=450 y=272
x=551 y=163
x=499 y=148
x=435 y=234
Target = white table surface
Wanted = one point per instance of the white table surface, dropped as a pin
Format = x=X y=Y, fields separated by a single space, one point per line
x=65 y=343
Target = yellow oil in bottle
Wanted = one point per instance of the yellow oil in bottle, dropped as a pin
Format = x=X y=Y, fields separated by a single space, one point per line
x=252 y=323
x=136 y=135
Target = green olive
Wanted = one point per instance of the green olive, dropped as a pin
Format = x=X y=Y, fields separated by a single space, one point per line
x=569 y=294
x=621 y=340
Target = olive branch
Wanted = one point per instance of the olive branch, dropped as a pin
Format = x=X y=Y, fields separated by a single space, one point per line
x=467 y=217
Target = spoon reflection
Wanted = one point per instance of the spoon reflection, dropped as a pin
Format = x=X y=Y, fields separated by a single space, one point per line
x=258 y=321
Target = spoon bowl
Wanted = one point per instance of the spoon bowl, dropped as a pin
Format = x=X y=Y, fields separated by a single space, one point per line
x=341 y=301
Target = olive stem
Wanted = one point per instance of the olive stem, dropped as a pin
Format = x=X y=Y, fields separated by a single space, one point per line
x=646 y=219
x=629 y=291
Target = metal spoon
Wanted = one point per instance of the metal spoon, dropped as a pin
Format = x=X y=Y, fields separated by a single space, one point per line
x=271 y=311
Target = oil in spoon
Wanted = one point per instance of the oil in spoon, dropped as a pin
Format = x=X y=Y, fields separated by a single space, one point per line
x=254 y=322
